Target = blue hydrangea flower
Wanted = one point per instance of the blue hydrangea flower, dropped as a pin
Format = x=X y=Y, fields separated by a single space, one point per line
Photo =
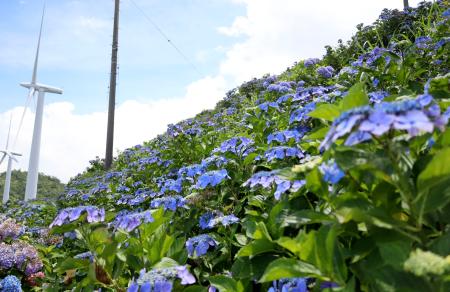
x=409 y=115
x=239 y=146
x=285 y=98
x=199 y=245
x=211 y=219
x=377 y=96
x=311 y=62
x=67 y=215
x=280 y=87
x=113 y=174
x=267 y=179
x=446 y=13
x=269 y=80
x=301 y=114
x=285 y=136
x=218 y=161
x=211 y=178
x=331 y=172
x=291 y=284
x=100 y=187
x=281 y=152
x=326 y=72
x=348 y=70
x=423 y=42
x=192 y=170
x=173 y=185
x=266 y=105
x=7 y=256
x=10 y=284
x=161 y=279
x=169 y=202
x=131 y=221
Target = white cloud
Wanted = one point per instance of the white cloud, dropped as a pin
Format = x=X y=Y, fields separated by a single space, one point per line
x=70 y=140
x=284 y=31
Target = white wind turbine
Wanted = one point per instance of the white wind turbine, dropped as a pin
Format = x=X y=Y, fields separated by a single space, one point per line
x=11 y=157
x=33 y=86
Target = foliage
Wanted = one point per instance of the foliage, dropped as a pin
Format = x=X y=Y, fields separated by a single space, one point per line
x=49 y=187
x=333 y=175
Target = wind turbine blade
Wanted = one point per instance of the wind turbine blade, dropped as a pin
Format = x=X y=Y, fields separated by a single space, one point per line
x=3 y=158
x=27 y=104
x=9 y=132
x=36 y=59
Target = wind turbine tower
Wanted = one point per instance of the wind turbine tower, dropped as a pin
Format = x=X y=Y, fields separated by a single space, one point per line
x=33 y=86
x=11 y=157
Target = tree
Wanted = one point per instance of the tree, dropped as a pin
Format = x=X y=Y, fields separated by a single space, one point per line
x=405 y=4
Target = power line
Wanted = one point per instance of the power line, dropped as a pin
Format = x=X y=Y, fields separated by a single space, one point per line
x=164 y=35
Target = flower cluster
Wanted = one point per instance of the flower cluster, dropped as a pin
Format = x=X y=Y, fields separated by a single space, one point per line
x=161 y=279
x=210 y=220
x=131 y=221
x=331 y=172
x=67 y=215
x=10 y=284
x=10 y=230
x=281 y=152
x=280 y=87
x=238 y=146
x=285 y=136
x=408 y=115
x=300 y=114
x=268 y=178
x=199 y=245
x=169 y=202
x=326 y=72
x=291 y=284
x=311 y=62
x=20 y=255
x=377 y=96
x=211 y=178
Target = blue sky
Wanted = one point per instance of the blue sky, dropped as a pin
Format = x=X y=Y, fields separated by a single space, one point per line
x=230 y=41
x=76 y=48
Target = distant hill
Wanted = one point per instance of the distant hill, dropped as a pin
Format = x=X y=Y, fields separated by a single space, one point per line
x=48 y=186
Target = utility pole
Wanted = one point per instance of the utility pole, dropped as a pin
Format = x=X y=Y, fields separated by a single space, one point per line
x=405 y=4
x=112 y=89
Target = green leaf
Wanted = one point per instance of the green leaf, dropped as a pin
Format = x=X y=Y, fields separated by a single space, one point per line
x=440 y=86
x=304 y=217
x=256 y=247
x=250 y=158
x=225 y=284
x=72 y=264
x=394 y=253
x=289 y=268
x=436 y=172
x=315 y=183
x=326 y=112
x=356 y=97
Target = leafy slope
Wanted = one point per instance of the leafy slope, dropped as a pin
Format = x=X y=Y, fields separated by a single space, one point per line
x=48 y=186
x=333 y=175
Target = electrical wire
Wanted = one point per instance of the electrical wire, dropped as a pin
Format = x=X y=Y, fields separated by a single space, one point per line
x=164 y=35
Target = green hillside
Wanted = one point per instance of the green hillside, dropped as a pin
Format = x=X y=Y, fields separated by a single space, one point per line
x=48 y=186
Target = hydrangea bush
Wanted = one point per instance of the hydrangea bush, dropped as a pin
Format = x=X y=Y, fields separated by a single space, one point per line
x=334 y=175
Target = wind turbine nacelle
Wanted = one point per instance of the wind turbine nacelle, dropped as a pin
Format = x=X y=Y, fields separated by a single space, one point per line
x=10 y=153
x=42 y=87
